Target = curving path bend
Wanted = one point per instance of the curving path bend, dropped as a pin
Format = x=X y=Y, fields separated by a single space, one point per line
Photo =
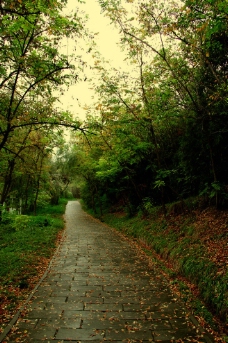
x=99 y=289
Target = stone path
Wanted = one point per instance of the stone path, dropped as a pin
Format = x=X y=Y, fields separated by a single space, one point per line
x=98 y=289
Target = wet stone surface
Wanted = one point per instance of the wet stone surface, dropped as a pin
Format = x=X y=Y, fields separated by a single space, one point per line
x=99 y=289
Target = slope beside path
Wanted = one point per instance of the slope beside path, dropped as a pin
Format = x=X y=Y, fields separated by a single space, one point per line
x=98 y=289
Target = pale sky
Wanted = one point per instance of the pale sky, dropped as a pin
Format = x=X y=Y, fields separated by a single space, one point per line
x=106 y=41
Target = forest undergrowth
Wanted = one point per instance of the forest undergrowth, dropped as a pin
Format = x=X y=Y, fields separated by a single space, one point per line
x=28 y=243
x=191 y=249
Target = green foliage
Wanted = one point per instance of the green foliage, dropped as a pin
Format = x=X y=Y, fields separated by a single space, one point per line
x=32 y=68
x=186 y=253
x=160 y=133
x=56 y=210
x=20 y=222
x=25 y=239
x=43 y=199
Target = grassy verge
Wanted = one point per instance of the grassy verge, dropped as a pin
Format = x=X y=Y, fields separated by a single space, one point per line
x=26 y=246
x=192 y=250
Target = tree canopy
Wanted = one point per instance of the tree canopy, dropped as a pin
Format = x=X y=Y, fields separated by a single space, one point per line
x=32 y=69
x=157 y=134
x=161 y=133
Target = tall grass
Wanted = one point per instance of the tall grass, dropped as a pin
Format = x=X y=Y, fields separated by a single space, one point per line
x=24 y=239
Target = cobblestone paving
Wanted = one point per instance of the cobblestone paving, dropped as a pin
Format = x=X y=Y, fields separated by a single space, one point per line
x=98 y=289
